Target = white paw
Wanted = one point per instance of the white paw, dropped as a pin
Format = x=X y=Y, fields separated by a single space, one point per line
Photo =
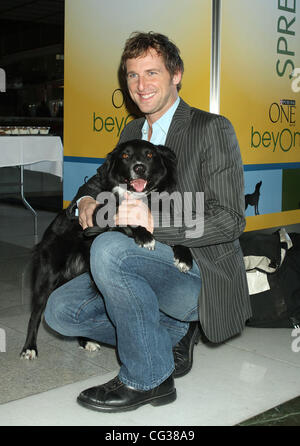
x=183 y=267
x=29 y=354
x=91 y=346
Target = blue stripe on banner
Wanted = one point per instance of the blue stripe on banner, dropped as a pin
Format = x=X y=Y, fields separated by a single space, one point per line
x=77 y=170
x=83 y=159
x=272 y=166
x=247 y=167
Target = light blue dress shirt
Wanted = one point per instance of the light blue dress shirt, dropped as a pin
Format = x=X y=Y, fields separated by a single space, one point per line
x=161 y=126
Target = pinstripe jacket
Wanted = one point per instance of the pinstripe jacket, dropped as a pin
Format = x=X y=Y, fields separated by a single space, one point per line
x=208 y=160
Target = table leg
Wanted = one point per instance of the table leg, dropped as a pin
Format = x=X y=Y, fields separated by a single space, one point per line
x=27 y=205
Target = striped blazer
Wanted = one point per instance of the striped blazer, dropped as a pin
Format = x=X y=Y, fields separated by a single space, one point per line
x=209 y=161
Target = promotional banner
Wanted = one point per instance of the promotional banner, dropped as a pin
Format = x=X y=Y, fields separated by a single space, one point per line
x=95 y=34
x=259 y=91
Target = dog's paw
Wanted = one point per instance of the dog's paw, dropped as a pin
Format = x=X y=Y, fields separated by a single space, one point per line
x=182 y=266
x=183 y=259
x=91 y=346
x=29 y=354
x=144 y=238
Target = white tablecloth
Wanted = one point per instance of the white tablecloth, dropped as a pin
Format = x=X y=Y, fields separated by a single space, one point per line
x=40 y=153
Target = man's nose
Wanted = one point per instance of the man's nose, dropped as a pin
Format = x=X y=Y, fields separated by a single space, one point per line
x=141 y=83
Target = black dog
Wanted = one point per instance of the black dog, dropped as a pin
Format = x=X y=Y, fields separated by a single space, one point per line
x=64 y=250
x=252 y=199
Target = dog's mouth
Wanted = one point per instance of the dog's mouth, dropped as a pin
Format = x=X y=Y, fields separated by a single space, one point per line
x=138 y=184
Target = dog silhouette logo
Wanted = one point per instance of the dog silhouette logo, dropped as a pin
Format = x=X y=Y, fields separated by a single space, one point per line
x=253 y=199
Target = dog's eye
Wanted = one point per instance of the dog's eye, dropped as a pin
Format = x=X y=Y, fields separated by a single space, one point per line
x=149 y=155
x=125 y=156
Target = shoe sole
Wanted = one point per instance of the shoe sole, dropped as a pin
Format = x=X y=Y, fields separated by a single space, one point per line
x=155 y=401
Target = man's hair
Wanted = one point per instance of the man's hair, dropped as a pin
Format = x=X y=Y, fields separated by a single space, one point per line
x=139 y=43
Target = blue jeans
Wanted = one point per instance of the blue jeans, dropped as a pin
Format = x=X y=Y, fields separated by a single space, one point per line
x=141 y=304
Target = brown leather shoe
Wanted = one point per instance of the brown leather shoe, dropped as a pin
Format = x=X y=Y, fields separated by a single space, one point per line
x=183 y=350
x=115 y=396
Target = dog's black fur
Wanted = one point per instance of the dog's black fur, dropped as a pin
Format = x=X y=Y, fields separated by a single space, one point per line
x=64 y=250
x=253 y=199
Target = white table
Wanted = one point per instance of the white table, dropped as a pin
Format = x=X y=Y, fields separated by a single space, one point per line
x=40 y=153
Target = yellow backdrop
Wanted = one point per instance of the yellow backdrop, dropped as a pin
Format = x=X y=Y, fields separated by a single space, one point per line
x=95 y=34
x=260 y=47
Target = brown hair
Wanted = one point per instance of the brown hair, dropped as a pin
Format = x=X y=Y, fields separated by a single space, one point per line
x=139 y=43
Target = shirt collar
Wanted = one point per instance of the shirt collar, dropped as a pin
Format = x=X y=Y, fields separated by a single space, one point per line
x=164 y=121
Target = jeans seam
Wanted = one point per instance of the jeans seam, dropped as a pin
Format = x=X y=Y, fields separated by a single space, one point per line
x=80 y=309
x=127 y=254
x=188 y=313
x=142 y=387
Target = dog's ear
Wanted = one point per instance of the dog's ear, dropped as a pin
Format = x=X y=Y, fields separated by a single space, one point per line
x=110 y=155
x=169 y=159
x=105 y=168
x=166 y=152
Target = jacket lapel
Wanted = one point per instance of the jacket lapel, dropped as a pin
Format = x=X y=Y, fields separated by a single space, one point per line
x=179 y=122
x=133 y=131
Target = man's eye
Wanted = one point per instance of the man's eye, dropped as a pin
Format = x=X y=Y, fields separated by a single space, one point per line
x=131 y=75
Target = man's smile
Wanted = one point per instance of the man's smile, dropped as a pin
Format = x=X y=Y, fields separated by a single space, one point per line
x=146 y=96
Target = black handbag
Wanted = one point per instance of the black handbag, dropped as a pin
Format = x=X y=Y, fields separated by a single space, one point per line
x=272 y=264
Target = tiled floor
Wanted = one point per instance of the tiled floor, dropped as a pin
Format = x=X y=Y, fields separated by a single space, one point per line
x=228 y=384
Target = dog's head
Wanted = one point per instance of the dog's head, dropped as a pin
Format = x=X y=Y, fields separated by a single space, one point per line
x=142 y=166
x=258 y=185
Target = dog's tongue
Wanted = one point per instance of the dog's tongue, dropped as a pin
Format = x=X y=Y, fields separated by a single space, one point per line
x=138 y=184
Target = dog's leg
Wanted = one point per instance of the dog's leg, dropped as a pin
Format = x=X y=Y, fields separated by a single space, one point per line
x=183 y=259
x=29 y=350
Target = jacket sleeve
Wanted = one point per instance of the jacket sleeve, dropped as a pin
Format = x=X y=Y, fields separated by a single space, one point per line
x=91 y=188
x=220 y=216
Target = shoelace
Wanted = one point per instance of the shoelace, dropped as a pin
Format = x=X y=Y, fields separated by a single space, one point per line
x=178 y=356
x=113 y=384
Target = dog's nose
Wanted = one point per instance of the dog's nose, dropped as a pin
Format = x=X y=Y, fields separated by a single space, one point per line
x=139 y=169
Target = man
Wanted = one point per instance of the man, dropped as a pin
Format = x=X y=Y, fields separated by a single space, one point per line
x=143 y=304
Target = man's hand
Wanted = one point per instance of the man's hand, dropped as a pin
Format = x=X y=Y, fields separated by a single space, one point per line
x=86 y=208
x=134 y=212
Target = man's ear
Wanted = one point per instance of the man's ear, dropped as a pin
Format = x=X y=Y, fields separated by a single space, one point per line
x=177 y=78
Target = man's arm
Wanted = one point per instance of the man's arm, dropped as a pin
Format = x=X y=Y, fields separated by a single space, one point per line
x=86 y=195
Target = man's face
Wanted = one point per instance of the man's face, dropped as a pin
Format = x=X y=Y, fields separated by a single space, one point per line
x=150 y=84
